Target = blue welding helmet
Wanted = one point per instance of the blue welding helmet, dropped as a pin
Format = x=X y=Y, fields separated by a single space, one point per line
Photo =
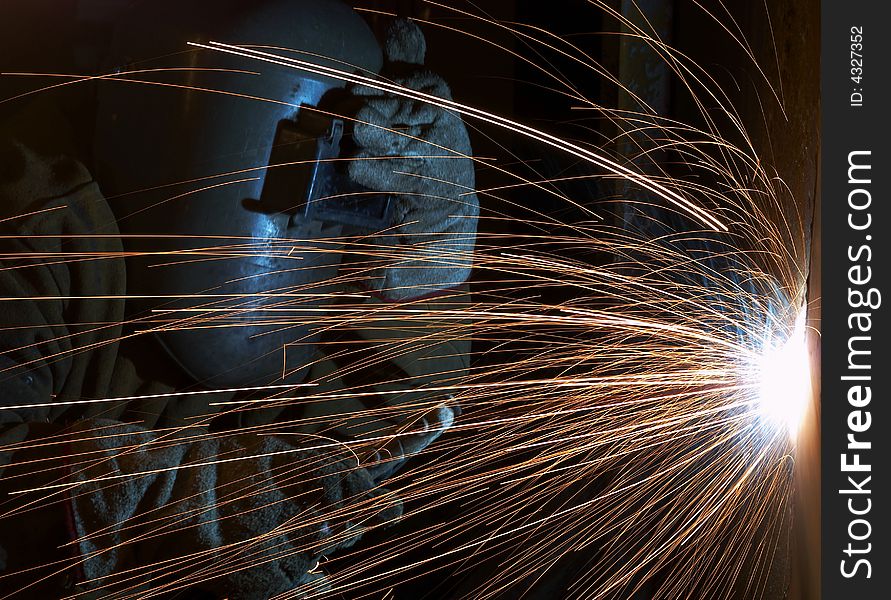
x=209 y=162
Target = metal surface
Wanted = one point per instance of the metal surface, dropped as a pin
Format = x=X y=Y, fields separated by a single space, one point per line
x=205 y=132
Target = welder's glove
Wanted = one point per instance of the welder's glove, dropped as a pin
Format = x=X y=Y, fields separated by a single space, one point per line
x=240 y=515
x=402 y=441
x=430 y=176
x=403 y=373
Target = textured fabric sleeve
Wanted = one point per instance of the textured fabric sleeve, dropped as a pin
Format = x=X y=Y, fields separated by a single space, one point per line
x=62 y=277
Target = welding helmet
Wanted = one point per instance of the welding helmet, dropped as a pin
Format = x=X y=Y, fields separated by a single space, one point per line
x=209 y=162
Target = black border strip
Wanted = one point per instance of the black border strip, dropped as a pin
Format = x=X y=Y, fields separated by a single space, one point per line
x=856 y=562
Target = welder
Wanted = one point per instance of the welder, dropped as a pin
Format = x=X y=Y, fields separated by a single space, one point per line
x=170 y=296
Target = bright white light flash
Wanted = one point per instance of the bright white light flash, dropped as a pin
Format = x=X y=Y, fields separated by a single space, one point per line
x=785 y=384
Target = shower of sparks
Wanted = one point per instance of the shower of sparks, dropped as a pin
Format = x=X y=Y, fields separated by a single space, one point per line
x=647 y=423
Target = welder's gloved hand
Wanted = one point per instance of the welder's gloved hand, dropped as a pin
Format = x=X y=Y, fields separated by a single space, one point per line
x=242 y=516
x=430 y=176
x=408 y=439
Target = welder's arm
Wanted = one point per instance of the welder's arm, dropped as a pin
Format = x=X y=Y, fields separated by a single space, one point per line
x=242 y=516
x=419 y=154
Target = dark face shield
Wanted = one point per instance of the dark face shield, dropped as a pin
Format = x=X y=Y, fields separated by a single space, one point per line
x=223 y=186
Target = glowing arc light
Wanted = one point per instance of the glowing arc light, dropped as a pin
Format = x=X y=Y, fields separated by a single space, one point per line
x=784 y=376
